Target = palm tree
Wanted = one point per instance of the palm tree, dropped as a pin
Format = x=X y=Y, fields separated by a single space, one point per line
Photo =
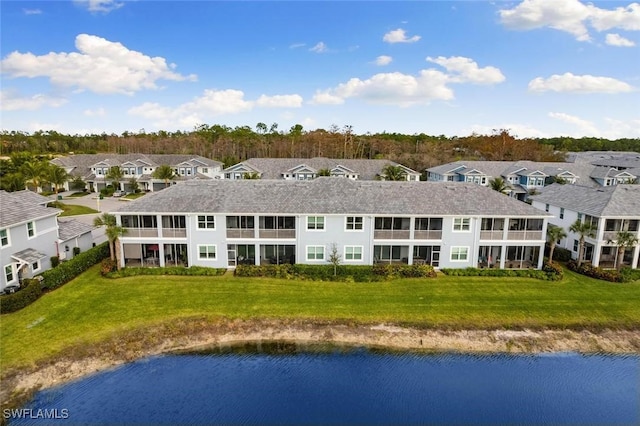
x=324 y=172
x=624 y=240
x=35 y=173
x=395 y=173
x=113 y=232
x=498 y=184
x=57 y=176
x=554 y=233
x=164 y=172
x=584 y=229
x=251 y=175
x=13 y=182
x=115 y=175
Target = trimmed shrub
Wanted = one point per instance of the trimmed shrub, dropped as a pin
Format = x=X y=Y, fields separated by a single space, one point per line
x=629 y=274
x=76 y=251
x=552 y=273
x=55 y=261
x=172 y=270
x=107 y=266
x=595 y=272
x=29 y=293
x=65 y=272
x=561 y=254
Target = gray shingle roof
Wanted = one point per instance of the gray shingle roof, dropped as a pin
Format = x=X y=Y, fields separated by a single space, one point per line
x=71 y=228
x=611 y=201
x=327 y=195
x=28 y=255
x=19 y=207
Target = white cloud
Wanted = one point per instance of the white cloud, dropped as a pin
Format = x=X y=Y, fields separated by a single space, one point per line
x=465 y=70
x=32 y=11
x=618 y=40
x=583 y=127
x=622 y=129
x=399 y=36
x=319 y=48
x=297 y=45
x=104 y=6
x=11 y=101
x=570 y=16
x=98 y=112
x=211 y=104
x=568 y=82
x=101 y=66
x=383 y=60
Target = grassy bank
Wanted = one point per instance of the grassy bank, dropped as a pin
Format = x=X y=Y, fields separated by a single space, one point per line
x=72 y=209
x=92 y=309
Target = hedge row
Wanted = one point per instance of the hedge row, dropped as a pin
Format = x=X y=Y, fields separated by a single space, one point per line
x=66 y=271
x=595 y=272
x=172 y=270
x=629 y=274
x=350 y=273
x=29 y=293
x=549 y=272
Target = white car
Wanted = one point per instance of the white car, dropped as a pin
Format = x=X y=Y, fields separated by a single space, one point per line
x=119 y=194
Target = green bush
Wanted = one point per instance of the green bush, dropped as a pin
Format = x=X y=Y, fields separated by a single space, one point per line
x=66 y=271
x=560 y=254
x=29 y=293
x=76 y=251
x=629 y=274
x=349 y=273
x=551 y=273
x=107 y=266
x=173 y=270
x=55 y=261
x=595 y=272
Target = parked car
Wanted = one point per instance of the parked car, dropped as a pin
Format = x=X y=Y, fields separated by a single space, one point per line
x=11 y=288
x=119 y=194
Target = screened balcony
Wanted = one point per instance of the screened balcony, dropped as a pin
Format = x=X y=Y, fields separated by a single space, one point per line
x=241 y=227
x=277 y=227
x=428 y=228
x=613 y=226
x=492 y=228
x=140 y=225
x=174 y=227
x=525 y=229
x=392 y=228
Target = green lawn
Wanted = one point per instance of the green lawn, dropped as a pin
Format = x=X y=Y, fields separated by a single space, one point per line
x=91 y=309
x=133 y=196
x=71 y=209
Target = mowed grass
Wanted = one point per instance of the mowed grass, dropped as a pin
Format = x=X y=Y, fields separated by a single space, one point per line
x=91 y=309
x=72 y=209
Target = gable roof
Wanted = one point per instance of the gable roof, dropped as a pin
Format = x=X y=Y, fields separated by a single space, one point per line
x=616 y=201
x=326 y=195
x=71 y=228
x=20 y=207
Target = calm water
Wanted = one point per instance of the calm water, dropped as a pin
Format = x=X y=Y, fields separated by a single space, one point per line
x=286 y=384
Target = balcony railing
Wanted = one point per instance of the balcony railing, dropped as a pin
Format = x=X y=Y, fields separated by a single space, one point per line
x=427 y=235
x=277 y=233
x=174 y=232
x=491 y=235
x=142 y=232
x=524 y=235
x=399 y=234
x=241 y=233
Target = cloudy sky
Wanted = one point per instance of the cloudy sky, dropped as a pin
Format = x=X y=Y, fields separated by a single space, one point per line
x=537 y=67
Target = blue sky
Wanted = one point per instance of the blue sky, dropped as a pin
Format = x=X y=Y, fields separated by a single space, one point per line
x=537 y=67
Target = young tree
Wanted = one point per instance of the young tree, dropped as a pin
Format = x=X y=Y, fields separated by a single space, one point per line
x=624 y=240
x=554 y=233
x=113 y=232
x=164 y=172
x=334 y=258
x=498 y=184
x=583 y=229
x=115 y=175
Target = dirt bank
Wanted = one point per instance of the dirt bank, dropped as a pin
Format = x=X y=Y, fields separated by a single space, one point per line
x=197 y=333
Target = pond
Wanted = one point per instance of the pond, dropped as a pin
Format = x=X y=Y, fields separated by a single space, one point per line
x=283 y=383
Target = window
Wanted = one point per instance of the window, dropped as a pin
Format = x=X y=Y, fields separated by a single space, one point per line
x=546 y=208
x=315 y=252
x=206 y=222
x=492 y=224
x=352 y=252
x=576 y=244
x=561 y=212
x=315 y=223
x=428 y=224
x=392 y=223
x=207 y=252
x=8 y=273
x=459 y=253
x=240 y=222
x=31 y=229
x=462 y=224
x=580 y=216
x=4 y=237
x=35 y=266
x=205 y=170
x=354 y=223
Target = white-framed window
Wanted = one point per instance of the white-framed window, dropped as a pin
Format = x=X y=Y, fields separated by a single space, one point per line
x=8 y=273
x=462 y=224
x=546 y=208
x=4 y=237
x=352 y=253
x=207 y=252
x=35 y=266
x=205 y=170
x=206 y=222
x=561 y=212
x=98 y=172
x=31 y=229
x=459 y=253
x=576 y=245
x=315 y=223
x=315 y=252
x=354 y=223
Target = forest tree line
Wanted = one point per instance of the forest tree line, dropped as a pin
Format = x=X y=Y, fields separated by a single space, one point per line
x=232 y=145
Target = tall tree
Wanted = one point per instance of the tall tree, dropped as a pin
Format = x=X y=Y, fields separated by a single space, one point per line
x=554 y=234
x=583 y=229
x=164 y=172
x=624 y=240
x=498 y=184
x=115 y=176
x=113 y=232
x=391 y=172
x=35 y=173
x=57 y=176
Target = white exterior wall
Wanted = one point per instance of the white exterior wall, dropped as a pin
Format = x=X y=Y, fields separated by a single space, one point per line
x=85 y=242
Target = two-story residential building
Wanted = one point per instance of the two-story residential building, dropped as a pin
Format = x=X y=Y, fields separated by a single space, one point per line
x=227 y=222
x=609 y=209
x=310 y=168
x=93 y=168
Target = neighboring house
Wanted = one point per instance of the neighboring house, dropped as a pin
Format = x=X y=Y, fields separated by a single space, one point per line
x=609 y=209
x=93 y=168
x=28 y=235
x=72 y=234
x=310 y=168
x=527 y=177
x=227 y=222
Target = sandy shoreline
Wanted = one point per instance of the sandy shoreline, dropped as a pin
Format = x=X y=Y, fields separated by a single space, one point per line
x=198 y=334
